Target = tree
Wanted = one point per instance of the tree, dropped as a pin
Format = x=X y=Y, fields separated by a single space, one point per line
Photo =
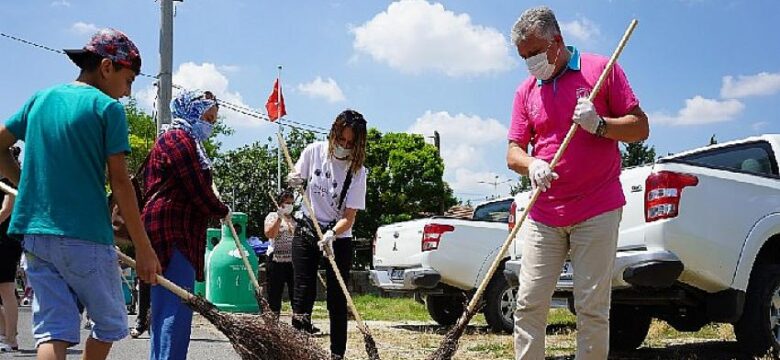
x=523 y=184
x=405 y=181
x=638 y=153
x=247 y=175
x=142 y=134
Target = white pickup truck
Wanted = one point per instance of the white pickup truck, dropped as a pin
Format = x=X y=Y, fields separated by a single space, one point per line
x=699 y=242
x=441 y=260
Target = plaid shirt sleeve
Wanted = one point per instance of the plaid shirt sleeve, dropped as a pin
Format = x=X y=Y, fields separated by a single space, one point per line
x=196 y=181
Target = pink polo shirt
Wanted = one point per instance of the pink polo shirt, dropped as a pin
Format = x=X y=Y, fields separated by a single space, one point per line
x=589 y=170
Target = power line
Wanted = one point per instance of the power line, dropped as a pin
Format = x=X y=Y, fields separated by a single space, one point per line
x=228 y=105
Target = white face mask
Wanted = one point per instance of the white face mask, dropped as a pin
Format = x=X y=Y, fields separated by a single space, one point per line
x=538 y=66
x=286 y=209
x=341 y=153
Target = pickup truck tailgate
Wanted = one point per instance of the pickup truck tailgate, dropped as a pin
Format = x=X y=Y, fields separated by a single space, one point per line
x=399 y=245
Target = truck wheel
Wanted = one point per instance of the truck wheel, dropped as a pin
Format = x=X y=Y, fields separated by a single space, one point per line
x=628 y=326
x=500 y=302
x=758 y=330
x=445 y=309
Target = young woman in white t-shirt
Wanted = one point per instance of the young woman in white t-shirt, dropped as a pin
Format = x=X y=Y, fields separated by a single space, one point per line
x=336 y=184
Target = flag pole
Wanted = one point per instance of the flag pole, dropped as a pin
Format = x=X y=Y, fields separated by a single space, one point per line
x=279 y=129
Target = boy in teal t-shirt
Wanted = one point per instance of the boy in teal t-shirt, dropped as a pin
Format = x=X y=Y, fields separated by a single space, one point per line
x=72 y=133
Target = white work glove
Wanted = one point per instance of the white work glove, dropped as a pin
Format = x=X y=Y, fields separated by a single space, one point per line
x=585 y=115
x=294 y=179
x=326 y=244
x=541 y=174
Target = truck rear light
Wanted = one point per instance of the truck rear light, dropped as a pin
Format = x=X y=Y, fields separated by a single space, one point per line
x=511 y=219
x=432 y=234
x=663 y=191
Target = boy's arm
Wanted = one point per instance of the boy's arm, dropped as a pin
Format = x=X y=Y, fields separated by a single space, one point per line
x=8 y=166
x=147 y=264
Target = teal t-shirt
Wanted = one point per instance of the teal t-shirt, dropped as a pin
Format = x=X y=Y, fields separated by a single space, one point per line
x=69 y=132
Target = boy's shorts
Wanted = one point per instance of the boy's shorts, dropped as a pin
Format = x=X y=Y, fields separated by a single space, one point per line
x=64 y=272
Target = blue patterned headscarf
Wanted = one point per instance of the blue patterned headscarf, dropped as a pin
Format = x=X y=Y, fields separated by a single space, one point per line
x=186 y=110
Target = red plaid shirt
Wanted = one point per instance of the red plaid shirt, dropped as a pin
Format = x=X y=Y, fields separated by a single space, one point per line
x=178 y=215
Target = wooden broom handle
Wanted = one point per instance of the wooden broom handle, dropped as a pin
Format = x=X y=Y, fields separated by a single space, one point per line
x=162 y=281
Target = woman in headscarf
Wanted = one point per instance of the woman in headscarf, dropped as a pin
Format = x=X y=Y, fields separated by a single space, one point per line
x=179 y=203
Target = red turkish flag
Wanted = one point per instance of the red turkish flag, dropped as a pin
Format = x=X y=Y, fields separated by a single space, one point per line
x=275 y=104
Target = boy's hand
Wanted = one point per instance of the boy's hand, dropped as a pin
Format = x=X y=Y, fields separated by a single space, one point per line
x=146 y=265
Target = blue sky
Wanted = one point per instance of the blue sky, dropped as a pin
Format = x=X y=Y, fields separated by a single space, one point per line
x=699 y=67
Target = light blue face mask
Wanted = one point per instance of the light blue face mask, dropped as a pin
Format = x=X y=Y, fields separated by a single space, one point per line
x=202 y=129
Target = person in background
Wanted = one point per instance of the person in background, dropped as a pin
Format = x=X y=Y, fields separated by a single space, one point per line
x=10 y=254
x=279 y=229
x=180 y=203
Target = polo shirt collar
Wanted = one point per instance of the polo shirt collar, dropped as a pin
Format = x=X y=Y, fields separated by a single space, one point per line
x=573 y=64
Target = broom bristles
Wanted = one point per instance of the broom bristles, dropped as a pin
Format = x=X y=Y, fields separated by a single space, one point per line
x=260 y=337
x=449 y=344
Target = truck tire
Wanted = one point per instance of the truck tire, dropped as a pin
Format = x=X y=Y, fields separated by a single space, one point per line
x=500 y=302
x=758 y=329
x=628 y=326
x=445 y=309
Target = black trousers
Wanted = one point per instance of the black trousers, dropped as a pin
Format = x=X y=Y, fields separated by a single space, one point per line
x=279 y=274
x=306 y=257
x=144 y=302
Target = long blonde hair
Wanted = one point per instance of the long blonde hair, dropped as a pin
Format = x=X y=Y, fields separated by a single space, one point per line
x=354 y=120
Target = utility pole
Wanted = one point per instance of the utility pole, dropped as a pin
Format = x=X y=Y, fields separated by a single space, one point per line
x=437 y=142
x=165 y=78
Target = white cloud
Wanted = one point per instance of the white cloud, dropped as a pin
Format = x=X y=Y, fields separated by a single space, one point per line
x=83 y=28
x=757 y=127
x=414 y=36
x=317 y=88
x=581 y=29
x=229 y=68
x=469 y=144
x=760 y=84
x=699 y=110
x=204 y=76
x=63 y=3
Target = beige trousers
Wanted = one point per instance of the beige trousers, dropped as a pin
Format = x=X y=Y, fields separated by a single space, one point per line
x=591 y=246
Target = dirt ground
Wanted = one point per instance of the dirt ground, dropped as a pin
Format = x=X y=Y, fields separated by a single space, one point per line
x=417 y=340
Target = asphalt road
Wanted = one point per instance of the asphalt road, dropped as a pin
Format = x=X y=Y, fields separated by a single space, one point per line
x=206 y=343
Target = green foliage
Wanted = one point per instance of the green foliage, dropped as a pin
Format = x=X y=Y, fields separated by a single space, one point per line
x=523 y=184
x=635 y=154
x=405 y=181
x=142 y=134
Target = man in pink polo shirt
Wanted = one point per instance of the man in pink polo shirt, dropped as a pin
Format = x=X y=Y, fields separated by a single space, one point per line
x=580 y=208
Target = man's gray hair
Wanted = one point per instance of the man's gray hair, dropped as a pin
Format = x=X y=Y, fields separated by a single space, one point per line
x=539 y=21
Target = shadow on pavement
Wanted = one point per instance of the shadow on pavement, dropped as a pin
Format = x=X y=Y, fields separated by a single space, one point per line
x=710 y=350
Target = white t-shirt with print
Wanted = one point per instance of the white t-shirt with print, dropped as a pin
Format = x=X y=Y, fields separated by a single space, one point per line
x=325 y=177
